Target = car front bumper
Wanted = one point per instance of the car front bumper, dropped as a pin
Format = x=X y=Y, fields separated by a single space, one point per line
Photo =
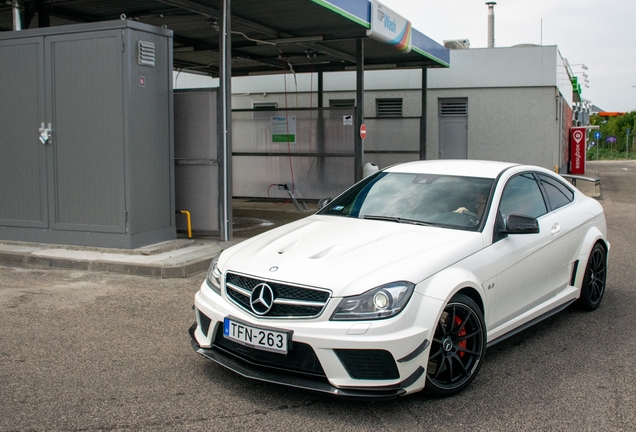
x=271 y=375
x=340 y=358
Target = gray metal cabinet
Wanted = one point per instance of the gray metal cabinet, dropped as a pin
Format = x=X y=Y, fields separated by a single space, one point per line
x=105 y=176
x=22 y=167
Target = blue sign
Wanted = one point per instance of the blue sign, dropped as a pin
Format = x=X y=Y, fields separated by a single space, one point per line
x=597 y=134
x=610 y=139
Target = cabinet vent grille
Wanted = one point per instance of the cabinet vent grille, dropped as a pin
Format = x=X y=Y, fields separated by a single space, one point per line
x=146 y=53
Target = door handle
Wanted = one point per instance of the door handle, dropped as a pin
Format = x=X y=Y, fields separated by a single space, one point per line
x=45 y=133
x=556 y=229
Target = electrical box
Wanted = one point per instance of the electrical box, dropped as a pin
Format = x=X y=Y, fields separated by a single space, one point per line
x=86 y=135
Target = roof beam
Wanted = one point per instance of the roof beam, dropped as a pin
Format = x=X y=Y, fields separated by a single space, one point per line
x=211 y=12
x=338 y=54
x=71 y=16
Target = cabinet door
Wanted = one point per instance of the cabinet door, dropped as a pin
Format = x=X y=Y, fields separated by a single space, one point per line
x=85 y=104
x=22 y=155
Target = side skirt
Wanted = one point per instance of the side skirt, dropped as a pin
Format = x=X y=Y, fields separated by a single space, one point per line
x=530 y=323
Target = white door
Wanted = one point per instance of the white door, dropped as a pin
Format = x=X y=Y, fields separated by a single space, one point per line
x=526 y=271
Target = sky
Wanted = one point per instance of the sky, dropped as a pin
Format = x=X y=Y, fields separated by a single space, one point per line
x=600 y=34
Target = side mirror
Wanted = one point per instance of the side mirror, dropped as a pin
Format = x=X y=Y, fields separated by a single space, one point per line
x=324 y=202
x=520 y=224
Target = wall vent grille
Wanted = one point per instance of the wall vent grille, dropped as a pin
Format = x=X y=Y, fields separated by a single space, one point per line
x=454 y=107
x=388 y=107
x=342 y=103
x=264 y=105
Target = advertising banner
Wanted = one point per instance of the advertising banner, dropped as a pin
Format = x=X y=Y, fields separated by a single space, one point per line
x=389 y=27
x=577 y=150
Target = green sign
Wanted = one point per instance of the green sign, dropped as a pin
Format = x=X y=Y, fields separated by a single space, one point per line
x=284 y=129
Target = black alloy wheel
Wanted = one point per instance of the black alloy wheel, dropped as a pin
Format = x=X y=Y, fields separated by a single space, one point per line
x=458 y=348
x=594 y=280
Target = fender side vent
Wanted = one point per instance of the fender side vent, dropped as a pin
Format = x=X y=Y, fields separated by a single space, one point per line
x=575 y=267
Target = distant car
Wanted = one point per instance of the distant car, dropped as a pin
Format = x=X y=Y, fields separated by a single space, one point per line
x=402 y=282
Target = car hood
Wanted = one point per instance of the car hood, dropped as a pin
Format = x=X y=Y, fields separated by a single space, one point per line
x=347 y=255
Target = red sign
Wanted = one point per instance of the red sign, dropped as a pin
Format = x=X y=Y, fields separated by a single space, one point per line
x=363 y=131
x=577 y=150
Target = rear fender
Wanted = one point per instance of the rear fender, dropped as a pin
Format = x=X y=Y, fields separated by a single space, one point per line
x=593 y=236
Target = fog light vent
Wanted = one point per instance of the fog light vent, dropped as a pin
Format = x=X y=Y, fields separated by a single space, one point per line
x=368 y=364
x=204 y=322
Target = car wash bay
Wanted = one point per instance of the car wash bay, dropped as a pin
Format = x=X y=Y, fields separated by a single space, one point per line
x=237 y=38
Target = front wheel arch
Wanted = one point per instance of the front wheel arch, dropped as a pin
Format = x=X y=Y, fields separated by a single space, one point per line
x=474 y=296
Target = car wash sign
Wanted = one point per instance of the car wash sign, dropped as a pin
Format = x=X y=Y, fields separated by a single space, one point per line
x=577 y=148
x=389 y=27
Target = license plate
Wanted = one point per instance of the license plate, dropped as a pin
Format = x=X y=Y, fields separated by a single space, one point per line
x=256 y=337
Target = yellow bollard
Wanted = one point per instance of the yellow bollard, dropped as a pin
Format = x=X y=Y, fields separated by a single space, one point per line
x=187 y=213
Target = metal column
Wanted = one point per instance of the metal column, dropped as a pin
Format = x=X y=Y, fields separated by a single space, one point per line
x=359 y=142
x=321 y=90
x=225 y=143
x=320 y=129
x=17 y=15
x=424 y=114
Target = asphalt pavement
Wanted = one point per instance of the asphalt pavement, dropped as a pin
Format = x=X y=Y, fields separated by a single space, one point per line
x=105 y=351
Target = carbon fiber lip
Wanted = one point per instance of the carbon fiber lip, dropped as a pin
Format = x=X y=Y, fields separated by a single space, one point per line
x=284 y=378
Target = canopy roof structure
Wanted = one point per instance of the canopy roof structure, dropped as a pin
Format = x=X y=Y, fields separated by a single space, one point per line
x=309 y=35
x=264 y=37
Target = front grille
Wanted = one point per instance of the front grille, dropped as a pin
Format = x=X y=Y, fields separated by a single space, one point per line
x=368 y=364
x=300 y=358
x=290 y=301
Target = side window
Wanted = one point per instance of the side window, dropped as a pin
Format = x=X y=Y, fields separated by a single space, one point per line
x=522 y=196
x=558 y=193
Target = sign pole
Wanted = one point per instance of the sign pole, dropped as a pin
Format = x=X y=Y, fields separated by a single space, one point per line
x=597 y=135
x=626 y=143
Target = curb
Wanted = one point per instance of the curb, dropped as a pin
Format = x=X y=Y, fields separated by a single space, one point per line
x=183 y=270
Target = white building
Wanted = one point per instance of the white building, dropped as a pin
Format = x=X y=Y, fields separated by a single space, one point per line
x=512 y=104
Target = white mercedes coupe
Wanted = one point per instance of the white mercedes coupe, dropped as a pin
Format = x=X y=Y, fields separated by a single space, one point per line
x=401 y=283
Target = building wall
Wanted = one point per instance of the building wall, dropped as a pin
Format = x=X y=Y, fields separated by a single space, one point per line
x=530 y=66
x=512 y=124
x=513 y=102
x=412 y=105
x=508 y=124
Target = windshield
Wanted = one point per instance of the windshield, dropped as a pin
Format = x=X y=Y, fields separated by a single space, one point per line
x=444 y=200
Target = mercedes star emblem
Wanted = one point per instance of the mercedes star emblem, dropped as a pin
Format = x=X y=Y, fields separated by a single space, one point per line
x=262 y=299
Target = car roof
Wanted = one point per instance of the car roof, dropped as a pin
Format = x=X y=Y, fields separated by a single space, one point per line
x=456 y=167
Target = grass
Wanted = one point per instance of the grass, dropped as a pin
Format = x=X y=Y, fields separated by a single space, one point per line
x=609 y=154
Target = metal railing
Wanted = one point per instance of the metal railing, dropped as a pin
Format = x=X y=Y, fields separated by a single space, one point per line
x=573 y=179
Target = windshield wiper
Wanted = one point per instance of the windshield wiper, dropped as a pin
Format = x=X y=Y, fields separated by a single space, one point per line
x=397 y=219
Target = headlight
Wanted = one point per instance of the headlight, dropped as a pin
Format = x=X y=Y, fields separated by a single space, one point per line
x=382 y=302
x=214 y=276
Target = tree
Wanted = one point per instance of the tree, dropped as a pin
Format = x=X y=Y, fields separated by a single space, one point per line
x=616 y=126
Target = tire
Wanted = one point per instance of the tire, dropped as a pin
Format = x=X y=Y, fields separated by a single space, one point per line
x=458 y=348
x=594 y=280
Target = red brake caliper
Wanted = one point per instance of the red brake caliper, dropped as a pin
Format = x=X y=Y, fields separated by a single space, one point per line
x=462 y=333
